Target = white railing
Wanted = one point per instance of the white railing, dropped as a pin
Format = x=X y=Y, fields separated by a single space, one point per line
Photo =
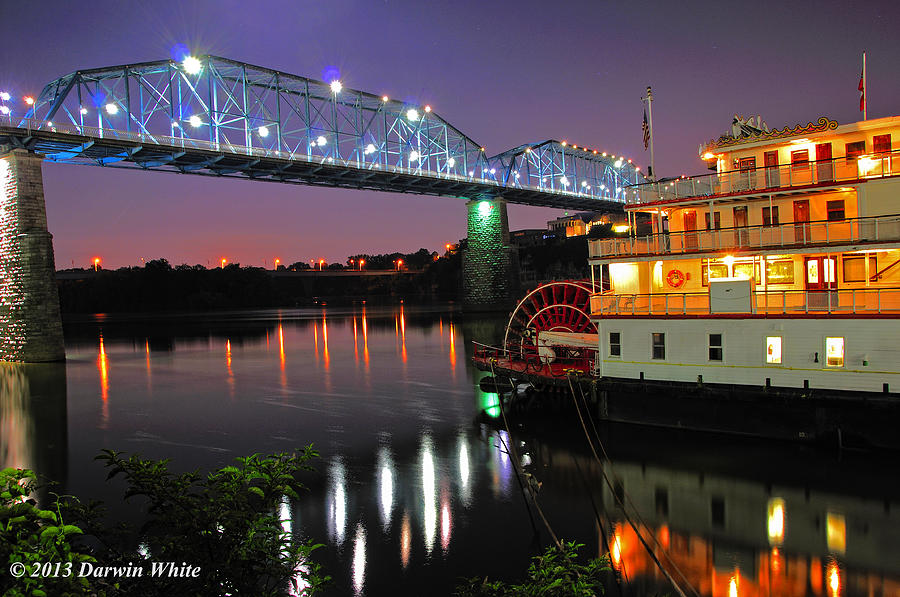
x=785 y=302
x=821 y=172
x=799 y=234
x=183 y=142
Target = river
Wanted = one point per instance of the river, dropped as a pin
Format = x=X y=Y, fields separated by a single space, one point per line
x=415 y=488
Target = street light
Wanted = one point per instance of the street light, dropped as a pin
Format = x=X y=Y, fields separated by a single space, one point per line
x=399 y=264
x=96 y=264
x=224 y=261
x=362 y=262
x=277 y=261
x=321 y=263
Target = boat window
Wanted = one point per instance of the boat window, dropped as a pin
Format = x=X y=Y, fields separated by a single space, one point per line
x=834 y=352
x=718 y=270
x=855 y=150
x=615 y=344
x=881 y=143
x=773 y=350
x=715 y=347
x=780 y=272
x=855 y=268
x=835 y=210
x=800 y=158
x=659 y=346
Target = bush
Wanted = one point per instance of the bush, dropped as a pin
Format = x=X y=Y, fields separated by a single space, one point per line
x=556 y=573
x=225 y=526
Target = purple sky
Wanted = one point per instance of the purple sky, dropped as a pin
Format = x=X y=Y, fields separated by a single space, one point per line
x=505 y=73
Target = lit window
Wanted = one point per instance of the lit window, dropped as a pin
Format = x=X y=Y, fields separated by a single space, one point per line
x=715 y=347
x=615 y=344
x=659 y=346
x=836 y=532
x=773 y=350
x=881 y=143
x=775 y=520
x=834 y=352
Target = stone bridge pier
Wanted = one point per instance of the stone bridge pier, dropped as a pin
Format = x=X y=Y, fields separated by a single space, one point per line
x=30 y=323
x=489 y=280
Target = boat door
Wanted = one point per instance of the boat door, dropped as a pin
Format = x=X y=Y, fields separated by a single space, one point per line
x=773 y=176
x=821 y=279
x=824 y=165
x=690 y=227
x=741 y=233
x=801 y=221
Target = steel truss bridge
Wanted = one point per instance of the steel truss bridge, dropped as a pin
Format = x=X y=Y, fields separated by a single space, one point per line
x=219 y=117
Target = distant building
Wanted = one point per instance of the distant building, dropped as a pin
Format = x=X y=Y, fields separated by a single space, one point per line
x=580 y=224
x=532 y=237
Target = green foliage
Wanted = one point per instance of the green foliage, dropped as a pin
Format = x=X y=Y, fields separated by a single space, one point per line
x=555 y=573
x=226 y=523
x=33 y=537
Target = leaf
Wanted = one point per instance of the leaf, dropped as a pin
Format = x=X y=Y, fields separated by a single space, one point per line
x=257 y=491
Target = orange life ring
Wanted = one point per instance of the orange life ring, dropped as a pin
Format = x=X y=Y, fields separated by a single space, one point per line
x=675 y=278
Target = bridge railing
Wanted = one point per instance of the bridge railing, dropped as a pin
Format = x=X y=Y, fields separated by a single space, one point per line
x=222 y=147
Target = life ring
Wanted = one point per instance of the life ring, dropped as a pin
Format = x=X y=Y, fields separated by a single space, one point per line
x=675 y=278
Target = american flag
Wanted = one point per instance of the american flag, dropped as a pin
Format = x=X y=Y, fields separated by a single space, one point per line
x=646 y=129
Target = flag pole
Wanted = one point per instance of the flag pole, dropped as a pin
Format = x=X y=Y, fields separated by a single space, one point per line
x=652 y=171
x=865 y=87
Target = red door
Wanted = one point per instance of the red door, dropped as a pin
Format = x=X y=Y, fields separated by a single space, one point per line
x=820 y=273
x=824 y=165
x=773 y=176
x=690 y=226
x=801 y=215
x=741 y=234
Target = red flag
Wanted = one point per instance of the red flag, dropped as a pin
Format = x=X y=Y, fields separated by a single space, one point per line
x=646 y=128
x=862 y=91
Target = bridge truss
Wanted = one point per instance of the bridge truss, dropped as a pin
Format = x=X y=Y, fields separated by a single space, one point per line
x=220 y=117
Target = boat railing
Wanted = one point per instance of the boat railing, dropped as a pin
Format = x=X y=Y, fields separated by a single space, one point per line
x=770 y=178
x=771 y=302
x=795 y=234
x=529 y=355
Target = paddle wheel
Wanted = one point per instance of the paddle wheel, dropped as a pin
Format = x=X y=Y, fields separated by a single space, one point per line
x=549 y=334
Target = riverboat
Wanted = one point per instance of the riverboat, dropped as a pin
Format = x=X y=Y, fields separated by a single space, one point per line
x=776 y=275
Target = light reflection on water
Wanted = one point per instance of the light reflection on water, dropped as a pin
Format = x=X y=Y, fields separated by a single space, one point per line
x=412 y=493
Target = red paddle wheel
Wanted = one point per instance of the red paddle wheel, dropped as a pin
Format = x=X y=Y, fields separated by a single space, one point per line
x=552 y=323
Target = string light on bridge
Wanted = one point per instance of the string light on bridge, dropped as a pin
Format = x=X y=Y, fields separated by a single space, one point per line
x=195 y=121
x=336 y=86
x=412 y=115
x=370 y=149
x=192 y=65
x=29 y=100
x=263 y=131
x=4 y=96
x=112 y=109
x=4 y=110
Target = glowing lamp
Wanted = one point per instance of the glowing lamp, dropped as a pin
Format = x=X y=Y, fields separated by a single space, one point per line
x=412 y=115
x=564 y=181
x=709 y=155
x=112 y=109
x=618 y=163
x=320 y=140
x=493 y=171
x=83 y=111
x=428 y=108
x=4 y=110
x=191 y=65
x=484 y=208
x=384 y=98
x=413 y=156
x=370 y=149
x=451 y=162
x=29 y=100
x=195 y=121
x=336 y=86
x=4 y=96
x=527 y=150
x=263 y=131
x=447 y=246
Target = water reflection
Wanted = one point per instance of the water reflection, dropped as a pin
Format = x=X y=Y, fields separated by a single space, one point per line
x=409 y=437
x=429 y=512
x=359 y=559
x=337 y=502
x=33 y=419
x=386 y=482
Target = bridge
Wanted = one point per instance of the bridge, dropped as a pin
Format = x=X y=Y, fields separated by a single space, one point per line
x=213 y=116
